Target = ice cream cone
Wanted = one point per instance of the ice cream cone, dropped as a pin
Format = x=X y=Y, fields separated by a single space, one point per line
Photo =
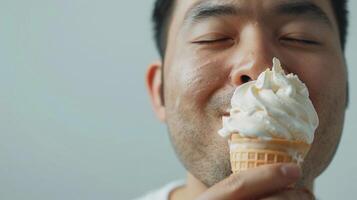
x=246 y=153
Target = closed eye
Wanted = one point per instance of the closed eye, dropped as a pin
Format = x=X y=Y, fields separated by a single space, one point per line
x=212 y=41
x=300 y=41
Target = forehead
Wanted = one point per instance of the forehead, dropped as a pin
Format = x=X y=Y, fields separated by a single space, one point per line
x=186 y=8
x=182 y=6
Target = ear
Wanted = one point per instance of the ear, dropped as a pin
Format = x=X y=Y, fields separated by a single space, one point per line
x=154 y=85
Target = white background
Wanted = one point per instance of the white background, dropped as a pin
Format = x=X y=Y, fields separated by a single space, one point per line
x=75 y=119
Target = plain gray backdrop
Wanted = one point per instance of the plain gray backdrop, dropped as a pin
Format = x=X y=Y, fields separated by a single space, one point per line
x=75 y=118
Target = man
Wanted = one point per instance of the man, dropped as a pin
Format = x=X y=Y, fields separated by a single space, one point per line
x=208 y=48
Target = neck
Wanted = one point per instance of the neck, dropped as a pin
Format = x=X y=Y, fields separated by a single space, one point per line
x=193 y=188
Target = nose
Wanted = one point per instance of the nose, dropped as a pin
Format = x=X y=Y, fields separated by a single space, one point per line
x=252 y=56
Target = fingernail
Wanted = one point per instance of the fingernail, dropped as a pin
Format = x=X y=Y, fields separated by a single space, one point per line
x=291 y=170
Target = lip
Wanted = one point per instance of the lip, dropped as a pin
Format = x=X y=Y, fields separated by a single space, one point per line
x=226 y=114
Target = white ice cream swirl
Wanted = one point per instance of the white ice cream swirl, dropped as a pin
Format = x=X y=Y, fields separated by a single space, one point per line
x=274 y=106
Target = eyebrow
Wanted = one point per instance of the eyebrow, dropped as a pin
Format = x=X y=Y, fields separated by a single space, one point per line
x=210 y=10
x=304 y=8
x=205 y=9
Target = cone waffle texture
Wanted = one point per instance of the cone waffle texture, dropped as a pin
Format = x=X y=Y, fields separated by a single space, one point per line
x=247 y=153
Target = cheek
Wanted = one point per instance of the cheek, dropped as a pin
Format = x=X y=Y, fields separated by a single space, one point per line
x=192 y=80
x=324 y=76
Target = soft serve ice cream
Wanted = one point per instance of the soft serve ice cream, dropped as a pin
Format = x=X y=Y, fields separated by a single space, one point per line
x=272 y=120
x=274 y=106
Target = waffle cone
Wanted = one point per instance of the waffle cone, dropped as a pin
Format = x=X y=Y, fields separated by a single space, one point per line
x=246 y=153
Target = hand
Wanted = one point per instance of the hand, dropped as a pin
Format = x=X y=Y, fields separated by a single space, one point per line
x=268 y=182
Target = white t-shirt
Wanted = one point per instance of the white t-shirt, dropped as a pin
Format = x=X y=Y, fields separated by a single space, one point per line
x=162 y=193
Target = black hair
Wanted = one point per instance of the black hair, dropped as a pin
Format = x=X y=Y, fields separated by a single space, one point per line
x=163 y=11
x=341 y=15
x=161 y=18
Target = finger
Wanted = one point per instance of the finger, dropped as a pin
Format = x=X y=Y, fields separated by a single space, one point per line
x=255 y=182
x=292 y=194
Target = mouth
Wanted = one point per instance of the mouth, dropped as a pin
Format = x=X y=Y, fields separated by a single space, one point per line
x=226 y=114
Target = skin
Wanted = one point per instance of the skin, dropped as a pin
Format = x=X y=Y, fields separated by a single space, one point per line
x=199 y=78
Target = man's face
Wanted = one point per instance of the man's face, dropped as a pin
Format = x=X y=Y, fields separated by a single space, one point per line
x=216 y=45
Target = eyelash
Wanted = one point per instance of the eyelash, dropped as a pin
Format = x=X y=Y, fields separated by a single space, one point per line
x=287 y=39
x=211 y=41
x=303 y=41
